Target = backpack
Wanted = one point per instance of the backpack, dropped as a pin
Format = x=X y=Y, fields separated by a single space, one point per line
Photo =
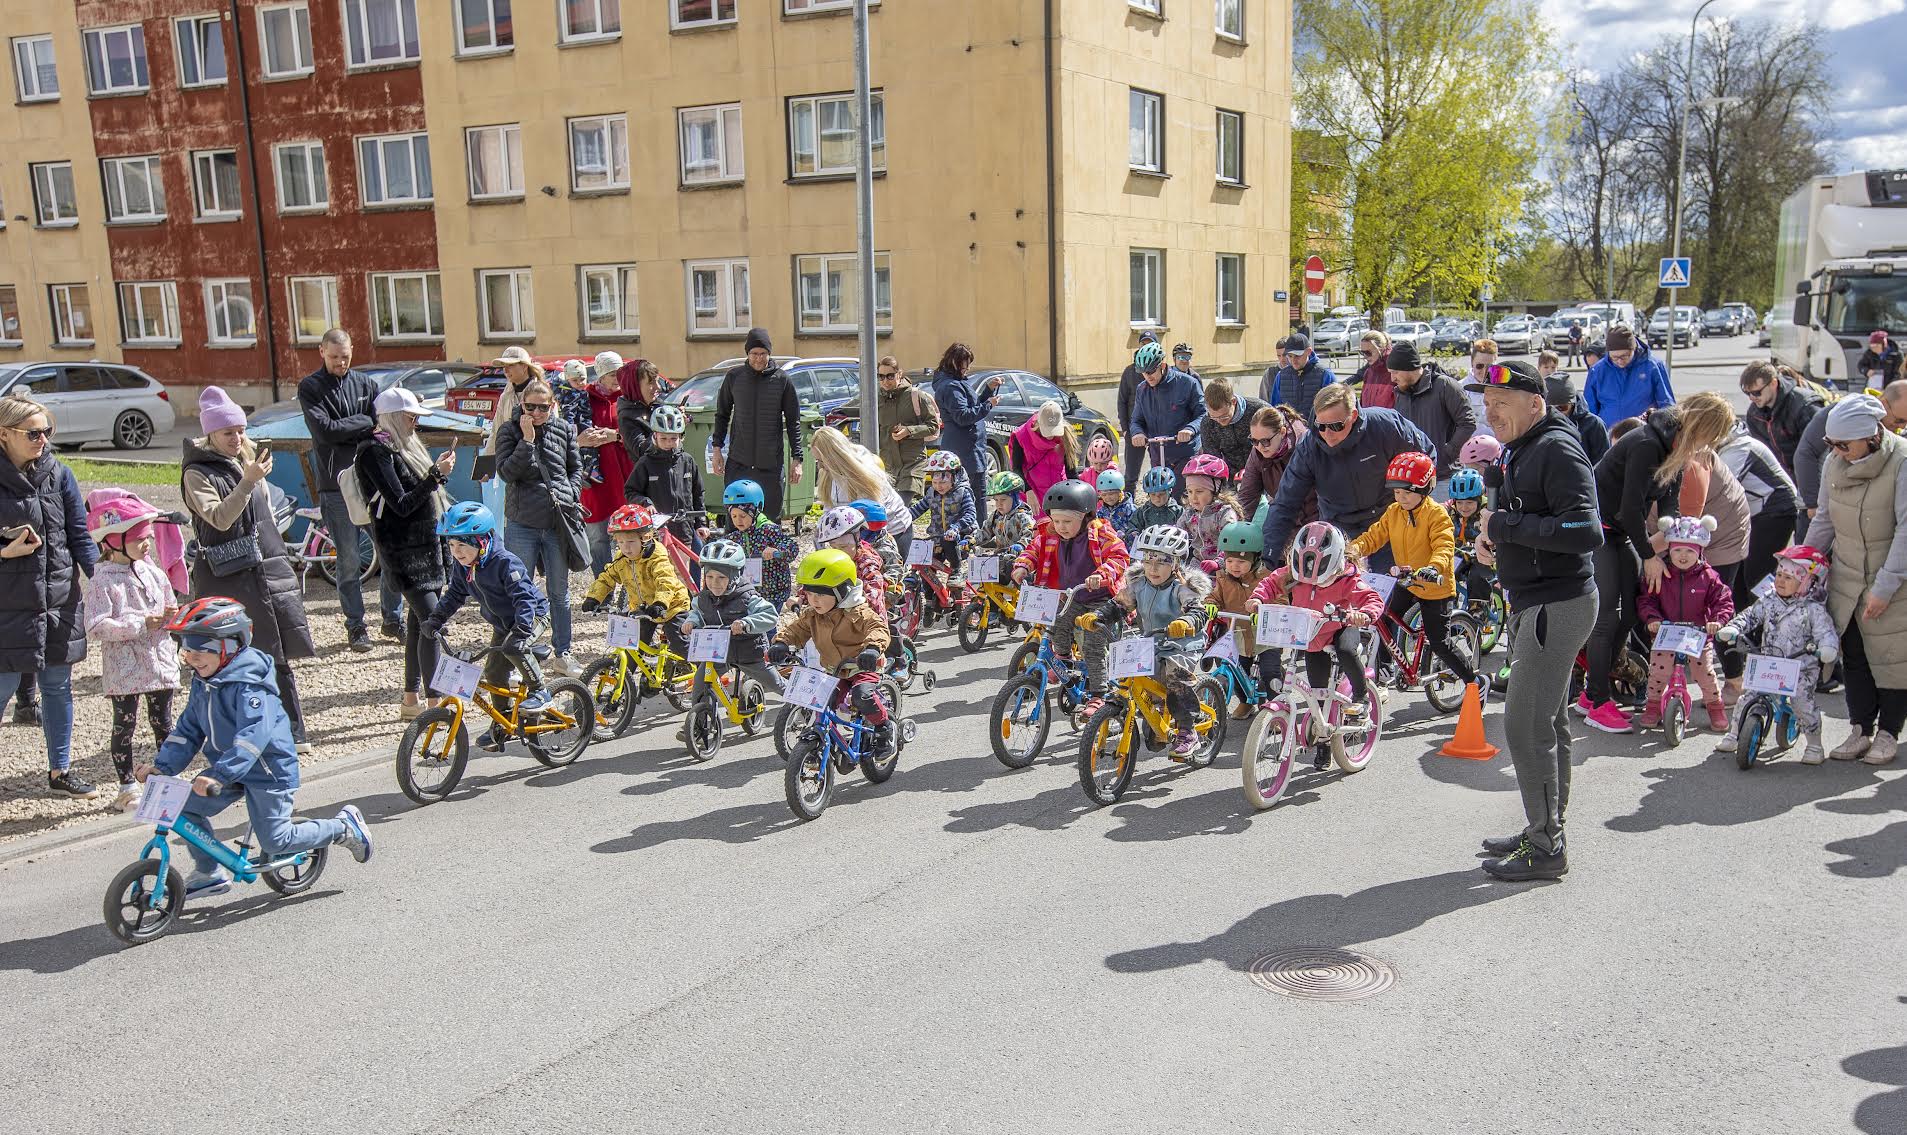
x=356 y=501
x=932 y=438
x=1818 y=394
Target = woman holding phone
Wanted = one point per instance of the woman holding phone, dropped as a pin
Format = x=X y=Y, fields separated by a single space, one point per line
x=44 y=548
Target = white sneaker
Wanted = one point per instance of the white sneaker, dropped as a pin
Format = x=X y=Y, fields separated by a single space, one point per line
x=1852 y=748
x=560 y=664
x=201 y=886
x=1812 y=755
x=1881 y=750
x=1727 y=742
x=128 y=798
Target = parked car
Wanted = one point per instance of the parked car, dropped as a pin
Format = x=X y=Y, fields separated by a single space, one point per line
x=1593 y=325
x=94 y=401
x=431 y=382
x=1744 y=315
x=477 y=392
x=824 y=383
x=1418 y=335
x=1763 y=337
x=1338 y=336
x=1517 y=335
x=1687 y=329
x=1021 y=393
x=1721 y=321
x=1457 y=336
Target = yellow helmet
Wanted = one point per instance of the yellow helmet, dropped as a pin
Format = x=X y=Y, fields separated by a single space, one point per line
x=828 y=569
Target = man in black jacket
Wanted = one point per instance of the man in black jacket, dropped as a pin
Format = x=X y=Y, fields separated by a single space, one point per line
x=337 y=402
x=760 y=406
x=1432 y=402
x=1778 y=409
x=1541 y=536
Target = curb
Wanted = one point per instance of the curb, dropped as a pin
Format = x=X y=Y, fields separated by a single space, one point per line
x=108 y=827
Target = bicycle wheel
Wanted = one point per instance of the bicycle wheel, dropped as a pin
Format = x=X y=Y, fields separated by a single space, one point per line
x=128 y=906
x=615 y=701
x=432 y=755
x=1352 y=749
x=1443 y=688
x=1753 y=735
x=1672 y=718
x=1020 y=721
x=809 y=778
x=1214 y=710
x=1491 y=622
x=566 y=728
x=1021 y=658
x=1105 y=755
x=296 y=877
x=790 y=724
x=705 y=728
x=753 y=701
x=1267 y=756
x=974 y=626
x=367 y=558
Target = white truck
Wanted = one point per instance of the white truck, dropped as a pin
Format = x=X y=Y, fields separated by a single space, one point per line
x=1842 y=255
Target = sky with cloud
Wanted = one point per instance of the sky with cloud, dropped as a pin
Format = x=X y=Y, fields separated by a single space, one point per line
x=1866 y=44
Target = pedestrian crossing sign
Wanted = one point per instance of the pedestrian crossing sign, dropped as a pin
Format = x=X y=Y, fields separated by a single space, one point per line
x=1675 y=270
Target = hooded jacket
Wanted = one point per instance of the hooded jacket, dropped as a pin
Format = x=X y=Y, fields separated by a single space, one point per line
x=1438 y=407
x=1231 y=442
x=1545 y=526
x=506 y=595
x=132 y=658
x=40 y=595
x=754 y=412
x=1001 y=530
x=1263 y=472
x=221 y=512
x=1788 y=628
x=963 y=417
x=403 y=518
x=541 y=475
x=1626 y=486
x=740 y=603
x=1348 y=477
x=669 y=481
x=1347 y=593
x=1613 y=393
x=1780 y=426
x=950 y=512
x=840 y=635
x=776 y=571
x=913 y=410
x=1296 y=387
x=236 y=719
x=1764 y=482
x=1594 y=435
x=1041 y=557
x=648 y=578
x=1159 y=605
x=1039 y=460
x=1697 y=596
x=602 y=498
x=1160 y=412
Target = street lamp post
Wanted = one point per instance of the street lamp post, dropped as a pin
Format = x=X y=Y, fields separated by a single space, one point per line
x=1681 y=163
x=864 y=216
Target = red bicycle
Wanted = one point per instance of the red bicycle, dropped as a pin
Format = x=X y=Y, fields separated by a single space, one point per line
x=1405 y=662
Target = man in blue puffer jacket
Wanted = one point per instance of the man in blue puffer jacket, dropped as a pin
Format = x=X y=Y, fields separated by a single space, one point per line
x=1628 y=382
x=1343 y=460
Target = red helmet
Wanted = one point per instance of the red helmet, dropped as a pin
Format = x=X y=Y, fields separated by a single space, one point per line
x=633 y=518
x=1411 y=471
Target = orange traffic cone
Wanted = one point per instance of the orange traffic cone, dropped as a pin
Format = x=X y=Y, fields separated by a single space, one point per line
x=1469 y=743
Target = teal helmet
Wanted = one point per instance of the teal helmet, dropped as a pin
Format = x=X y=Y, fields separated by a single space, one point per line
x=1466 y=485
x=725 y=556
x=1148 y=355
x=1158 y=479
x=1110 y=481
x=1242 y=538
x=744 y=493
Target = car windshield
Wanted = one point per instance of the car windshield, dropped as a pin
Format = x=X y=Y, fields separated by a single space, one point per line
x=7 y=375
x=1333 y=326
x=1861 y=305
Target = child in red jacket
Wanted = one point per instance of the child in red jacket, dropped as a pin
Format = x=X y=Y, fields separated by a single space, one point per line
x=1316 y=575
x=1077 y=552
x=1691 y=593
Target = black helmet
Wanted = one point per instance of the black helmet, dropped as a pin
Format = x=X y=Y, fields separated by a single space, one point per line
x=1072 y=496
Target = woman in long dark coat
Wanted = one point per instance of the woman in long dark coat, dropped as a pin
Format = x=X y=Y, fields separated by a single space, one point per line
x=405 y=489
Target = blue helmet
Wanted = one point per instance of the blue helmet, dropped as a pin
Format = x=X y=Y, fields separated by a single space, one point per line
x=1110 y=481
x=1158 y=479
x=744 y=493
x=872 y=511
x=1466 y=485
x=467 y=518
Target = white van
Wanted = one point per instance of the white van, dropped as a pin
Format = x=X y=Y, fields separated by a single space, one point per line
x=1614 y=312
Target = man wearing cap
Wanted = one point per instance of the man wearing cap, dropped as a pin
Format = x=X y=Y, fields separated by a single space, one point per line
x=1880 y=363
x=1560 y=393
x=1297 y=382
x=1628 y=382
x=1134 y=457
x=1431 y=400
x=1541 y=536
x=337 y=402
x=757 y=408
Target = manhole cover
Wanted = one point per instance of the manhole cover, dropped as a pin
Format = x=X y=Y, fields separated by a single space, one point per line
x=1318 y=973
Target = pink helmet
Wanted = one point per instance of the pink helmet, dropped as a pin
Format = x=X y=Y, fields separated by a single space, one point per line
x=1481 y=449
x=1317 y=554
x=1100 y=450
x=1207 y=465
x=119 y=514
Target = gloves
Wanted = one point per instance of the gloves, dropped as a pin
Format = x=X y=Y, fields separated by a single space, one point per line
x=779 y=652
x=1827 y=655
x=1178 y=628
x=433 y=631
x=590 y=606
x=868 y=659
x=1089 y=621
x=1430 y=575
x=1727 y=635
x=655 y=611
x=949 y=539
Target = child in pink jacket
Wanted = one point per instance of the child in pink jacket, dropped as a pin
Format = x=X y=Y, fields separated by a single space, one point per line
x=127 y=604
x=1691 y=592
x=1317 y=575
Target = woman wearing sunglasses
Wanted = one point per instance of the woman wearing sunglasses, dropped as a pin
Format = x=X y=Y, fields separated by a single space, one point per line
x=44 y=548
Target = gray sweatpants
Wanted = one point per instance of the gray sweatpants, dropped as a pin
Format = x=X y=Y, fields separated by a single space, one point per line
x=1544 y=641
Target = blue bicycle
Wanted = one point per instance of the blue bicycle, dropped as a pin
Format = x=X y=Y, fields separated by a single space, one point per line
x=1022 y=718
x=833 y=746
x=1766 y=719
x=1230 y=673
x=145 y=899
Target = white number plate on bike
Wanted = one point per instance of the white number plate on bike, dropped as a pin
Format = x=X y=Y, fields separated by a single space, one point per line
x=1279 y=625
x=163 y=799
x=1765 y=588
x=920 y=553
x=1766 y=674
x=751 y=570
x=1381 y=582
x=983 y=569
x=454 y=677
x=624 y=632
x=1679 y=638
x=1037 y=605
x=709 y=644
x=1225 y=646
x=809 y=688
x=1132 y=658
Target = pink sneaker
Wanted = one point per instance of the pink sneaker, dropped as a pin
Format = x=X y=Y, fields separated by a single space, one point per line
x=1609 y=718
x=1583 y=705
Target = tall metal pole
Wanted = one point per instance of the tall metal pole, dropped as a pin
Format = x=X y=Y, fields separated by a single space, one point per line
x=1681 y=163
x=864 y=217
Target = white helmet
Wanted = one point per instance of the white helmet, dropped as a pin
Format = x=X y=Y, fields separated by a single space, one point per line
x=1166 y=540
x=1317 y=554
x=838 y=522
x=667 y=419
x=943 y=461
x=606 y=362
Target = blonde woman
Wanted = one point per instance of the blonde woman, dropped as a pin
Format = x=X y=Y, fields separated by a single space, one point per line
x=1707 y=486
x=846 y=472
x=1373 y=377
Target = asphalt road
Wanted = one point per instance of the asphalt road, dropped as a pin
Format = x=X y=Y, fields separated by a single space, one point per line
x=642 y=943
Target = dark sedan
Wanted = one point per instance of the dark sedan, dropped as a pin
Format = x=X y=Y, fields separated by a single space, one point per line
x=1455 y=338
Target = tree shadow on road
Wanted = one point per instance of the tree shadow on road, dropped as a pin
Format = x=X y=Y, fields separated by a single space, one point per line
x=70 y=949
x=1715 y=793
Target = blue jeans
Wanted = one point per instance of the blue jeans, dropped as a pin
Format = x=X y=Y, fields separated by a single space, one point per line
x=337 y=519
x=56 y=711
x=273 y=829
x=599 y=551
x=543 y=547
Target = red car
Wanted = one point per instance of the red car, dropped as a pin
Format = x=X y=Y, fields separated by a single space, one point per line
x=479 y=395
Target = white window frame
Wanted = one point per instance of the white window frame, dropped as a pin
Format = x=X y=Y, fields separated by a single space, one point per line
x=1220 y=300
x=808 y=7
x=328 y=287
x=466 y=50
x=716 y=20
x=205 y=189
x=732 y=282
x=518 y=323
x=135 y=46
x=45 y=193
x=820 y=305
x=112 y=173
x=24 y=67
x=317 y=175
x=1148 y=7
x=300 y=30
x=727 y=117
x=430 y=282
x=10 y=304
x=407 y=35
x=419 y=169
x=64 y=333
x=1153 y=303
x=1236 y=10
x=1142 y=105
x=620 y=290
x=608 y=124
x=222 y=291
x=189 y=26
x=136 y=299
x=509 y=144
x=812 y=104
x=1237 y=118
x=601 y=35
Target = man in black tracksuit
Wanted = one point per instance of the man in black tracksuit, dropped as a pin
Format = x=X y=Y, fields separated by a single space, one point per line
x=758 y=406
x=1542 y=534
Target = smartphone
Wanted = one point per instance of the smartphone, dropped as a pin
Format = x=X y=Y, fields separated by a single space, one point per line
x=9 y=535
x=264 y=451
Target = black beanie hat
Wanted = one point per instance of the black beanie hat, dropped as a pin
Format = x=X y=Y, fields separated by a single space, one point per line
x=758 y=337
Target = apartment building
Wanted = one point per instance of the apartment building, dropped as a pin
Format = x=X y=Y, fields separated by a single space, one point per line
x=447 y=177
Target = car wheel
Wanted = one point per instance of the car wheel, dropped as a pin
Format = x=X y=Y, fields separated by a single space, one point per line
x=132 y=430
x=995 y=460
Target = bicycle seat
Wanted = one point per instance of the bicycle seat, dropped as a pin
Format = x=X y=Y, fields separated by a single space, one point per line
x=311 y=514
x=541 y=651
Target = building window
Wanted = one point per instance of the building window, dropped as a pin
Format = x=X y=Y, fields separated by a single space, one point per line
x=506 y=308
x=599 y=153
x=798 y=7
x=1231 y=289
x=496 y=161
x=286 y=32
x=718 y=297
x=9 y=316
x=149 y=314
x=380 y=31
x=201 y=51
x=1231 y=147
x=54 y=202
x=229 y=315
x=1149 y=7
x=1145 y=131
x=609 y=301
x=395 y=169
x=116 y=60
x=133 y=189
x=72 y=315
x=407 y=306
x=590 y=19
x=711 y=144
x=215 y=183
x=302 y=185
x=1148 y=287
x=700 y=13
x=314 y=307
x=484 y=26
x=821 y=135
x=828 y=293
x=34 y=74
x=1229 y=18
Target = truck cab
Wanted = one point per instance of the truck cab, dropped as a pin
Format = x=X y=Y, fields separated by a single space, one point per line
x=1843 y=258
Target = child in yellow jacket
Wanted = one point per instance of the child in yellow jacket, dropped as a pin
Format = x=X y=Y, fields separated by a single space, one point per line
x=1424 y=546
x=643 y=570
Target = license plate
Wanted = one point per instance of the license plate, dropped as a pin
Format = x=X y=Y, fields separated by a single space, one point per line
x=475 y=406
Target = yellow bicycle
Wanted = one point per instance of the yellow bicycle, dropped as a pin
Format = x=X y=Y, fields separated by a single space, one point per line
x=432 y=755
x=747 y=707
x=989 y=604
x=618 y=681
x=1136 y=706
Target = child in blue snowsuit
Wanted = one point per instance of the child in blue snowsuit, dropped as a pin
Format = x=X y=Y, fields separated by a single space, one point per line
x=948 y=506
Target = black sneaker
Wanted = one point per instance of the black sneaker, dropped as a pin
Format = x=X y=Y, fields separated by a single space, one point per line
x=70 y=783
x=1501 y=845
x=1528 y=863
x=26 y=713
x=360 y=641
x=492 y=740
x=391 y=628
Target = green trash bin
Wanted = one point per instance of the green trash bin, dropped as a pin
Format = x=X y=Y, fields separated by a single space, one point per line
x=796 y=499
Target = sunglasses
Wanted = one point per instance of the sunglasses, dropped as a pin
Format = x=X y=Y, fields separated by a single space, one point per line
x=1334 y=427
x=1844 y=446
x=887 y=374
x=36 y=435
x=538 y=407
x=1756 y=392
x=1263 y=442
x=1495 y=374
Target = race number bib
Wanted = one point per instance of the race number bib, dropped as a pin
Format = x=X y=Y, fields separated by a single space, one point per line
x=1766 y=674
x=1132 y=658
x=1381 y=582
x=624 y=632
x=1765 y=588
x=810 y=689
x=1279 y=625
x=751 y=570
x=454 y=677
x=1038 y=605
x=983 y=569
x=920 y=553
x=1225 y=647
x=1680 y=638
x=709 y=644
x=163 y=799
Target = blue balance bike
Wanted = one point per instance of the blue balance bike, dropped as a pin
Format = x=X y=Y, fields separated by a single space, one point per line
x=1229 y=672
x=833 y=746
x=1022 y=716
x=1766 y=720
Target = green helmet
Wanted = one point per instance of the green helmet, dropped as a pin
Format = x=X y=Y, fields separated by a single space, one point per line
x=1004 y=482
x=1243 y=538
